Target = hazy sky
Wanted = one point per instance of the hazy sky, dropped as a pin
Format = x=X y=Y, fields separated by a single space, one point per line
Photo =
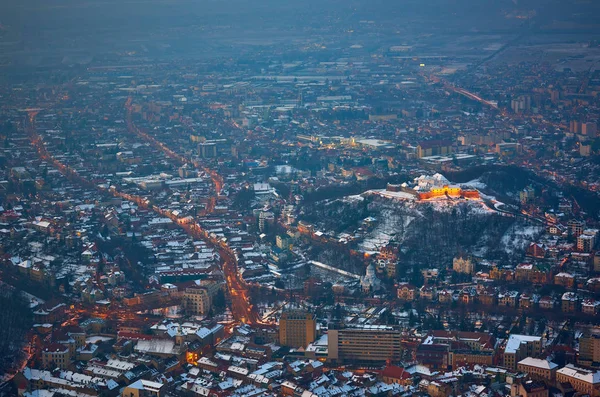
x=33 y=27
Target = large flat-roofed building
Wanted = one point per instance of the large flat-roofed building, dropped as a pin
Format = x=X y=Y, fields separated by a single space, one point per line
x=297 y=328
x=589 y=348
x=198 y=299
x=519 y=347
x=508 y=148
x=582 y=380
x=586 y=242
x=434 y=147
x=370 y=343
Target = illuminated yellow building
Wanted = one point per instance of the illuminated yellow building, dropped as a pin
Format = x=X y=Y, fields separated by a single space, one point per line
x=297 y=328
x=446 y=190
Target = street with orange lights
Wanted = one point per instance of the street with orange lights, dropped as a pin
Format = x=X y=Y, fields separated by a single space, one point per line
x=241 y=308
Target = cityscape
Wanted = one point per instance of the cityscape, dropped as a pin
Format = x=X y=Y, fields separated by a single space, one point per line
x=307 y=199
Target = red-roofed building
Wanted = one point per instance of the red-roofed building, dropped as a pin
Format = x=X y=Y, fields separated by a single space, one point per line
x=536 y=250
x=56 y=355
x=392 y=374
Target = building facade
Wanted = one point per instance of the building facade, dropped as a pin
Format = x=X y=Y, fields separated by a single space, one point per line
x=582 y=380
x=297 y=328
x=56 y=355
x=519 y=347
x=589 y=348
x=463 y=265
x=537 y=368
x=374 y=343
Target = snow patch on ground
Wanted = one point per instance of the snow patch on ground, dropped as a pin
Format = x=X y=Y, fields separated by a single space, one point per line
x=474 y=184
x=392 y=226
x=355 y=198
x=444 y=204
x=394 y=195
x=518 y=237
x=98 y=338
x=480 y=248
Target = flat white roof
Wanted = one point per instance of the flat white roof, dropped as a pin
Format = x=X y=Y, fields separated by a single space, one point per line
x=515 y=341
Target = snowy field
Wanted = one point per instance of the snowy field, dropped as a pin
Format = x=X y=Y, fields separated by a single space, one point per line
x=392 y=225
x=519 y=236
x=474 y=184
x=392 y=195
